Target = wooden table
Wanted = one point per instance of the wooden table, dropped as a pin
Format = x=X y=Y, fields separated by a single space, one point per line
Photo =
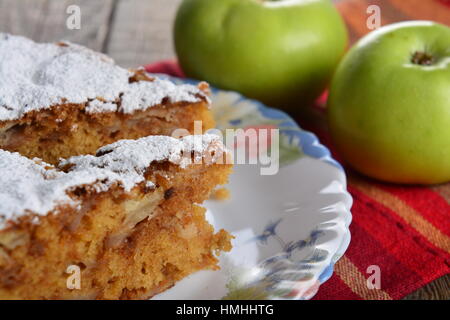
x=134 y=33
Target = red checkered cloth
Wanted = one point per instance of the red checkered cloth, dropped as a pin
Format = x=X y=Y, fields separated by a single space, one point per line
x=403 y=230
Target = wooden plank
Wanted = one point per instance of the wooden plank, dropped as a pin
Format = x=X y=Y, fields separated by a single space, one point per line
x=436 y=290
x=141 y=31
x=45 y=20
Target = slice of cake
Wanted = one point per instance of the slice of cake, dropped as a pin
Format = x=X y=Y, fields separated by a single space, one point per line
x=60 y=100
x=124 y=221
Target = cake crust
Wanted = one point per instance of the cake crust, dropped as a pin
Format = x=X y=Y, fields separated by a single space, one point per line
x=38 y=76
x=61 y=100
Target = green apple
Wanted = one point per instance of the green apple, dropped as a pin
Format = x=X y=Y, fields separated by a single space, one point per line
x=389 y=104
x=281 y=52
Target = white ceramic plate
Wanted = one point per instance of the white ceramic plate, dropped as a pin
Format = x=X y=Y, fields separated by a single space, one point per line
x=290 y=227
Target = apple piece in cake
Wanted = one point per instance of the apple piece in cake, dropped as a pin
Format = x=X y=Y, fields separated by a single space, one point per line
x=60 y=100
x=127 y=217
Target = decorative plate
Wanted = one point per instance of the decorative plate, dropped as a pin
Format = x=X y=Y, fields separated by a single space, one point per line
x=290 y=228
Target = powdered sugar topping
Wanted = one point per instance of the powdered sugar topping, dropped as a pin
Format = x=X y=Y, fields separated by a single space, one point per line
x=32 y=186
x=35 y=76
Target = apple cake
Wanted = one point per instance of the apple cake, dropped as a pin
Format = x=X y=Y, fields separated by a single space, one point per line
x=126 y=218
x=61 y=100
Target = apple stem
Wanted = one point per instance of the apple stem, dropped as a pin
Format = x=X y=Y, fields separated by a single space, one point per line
x=422 y=58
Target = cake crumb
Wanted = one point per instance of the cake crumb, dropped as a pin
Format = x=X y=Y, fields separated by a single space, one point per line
x=221 y=194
